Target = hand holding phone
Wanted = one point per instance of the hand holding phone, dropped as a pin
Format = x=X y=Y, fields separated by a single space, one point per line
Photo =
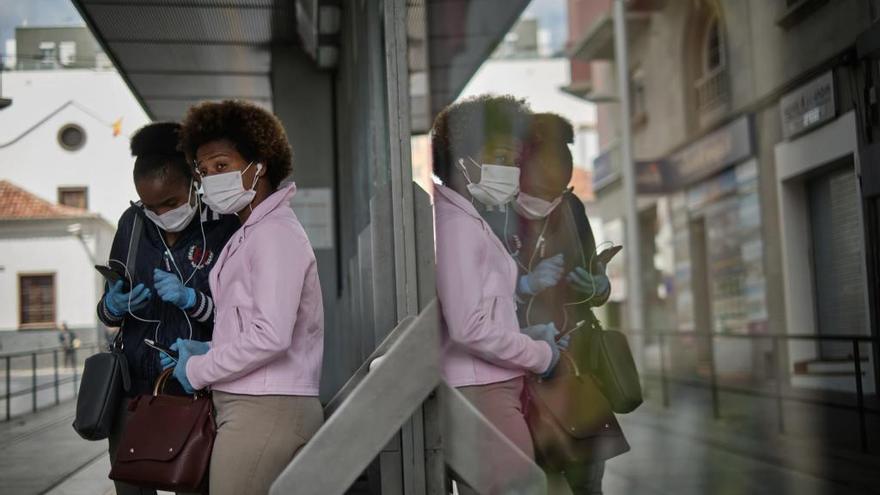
x=161 y=348
x=607 y=254
x=112 y=276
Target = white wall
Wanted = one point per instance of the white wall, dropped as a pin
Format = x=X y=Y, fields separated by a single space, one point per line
x=539 y=82
x=36 y=162
x=46 y=247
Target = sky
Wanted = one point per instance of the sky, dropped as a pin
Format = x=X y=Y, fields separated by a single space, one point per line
x=552 y=16
x=35 y=12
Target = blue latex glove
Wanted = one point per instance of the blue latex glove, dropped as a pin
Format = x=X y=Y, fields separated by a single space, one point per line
x=546 y=274
x=172 y=290
x=118 y=302
x=197 y=347
x=547 y=332
x=186 y=349
x=596 y=287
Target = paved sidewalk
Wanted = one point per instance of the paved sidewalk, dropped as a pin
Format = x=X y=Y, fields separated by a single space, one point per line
x=40 y=451
x=675 y=452
x=679 y=453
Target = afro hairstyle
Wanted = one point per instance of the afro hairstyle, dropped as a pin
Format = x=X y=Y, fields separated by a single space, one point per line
x=256 y=134
x=463 y=128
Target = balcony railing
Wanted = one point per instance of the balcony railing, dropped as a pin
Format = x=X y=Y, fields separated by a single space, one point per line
x=713 y=91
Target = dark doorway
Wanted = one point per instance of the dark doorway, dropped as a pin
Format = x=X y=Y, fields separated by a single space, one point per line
x=838 y=268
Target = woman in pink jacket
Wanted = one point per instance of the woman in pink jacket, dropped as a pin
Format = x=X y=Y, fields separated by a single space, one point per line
x=264 y=362
x=476 y=146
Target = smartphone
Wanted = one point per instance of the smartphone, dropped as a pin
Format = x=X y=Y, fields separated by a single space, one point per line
x=112 y=276
x=560 y=335
x=607 y=254
x=161 y=348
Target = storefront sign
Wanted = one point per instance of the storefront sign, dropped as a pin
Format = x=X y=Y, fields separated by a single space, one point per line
x=809 y=106
x=712 y=153
x=652 y=177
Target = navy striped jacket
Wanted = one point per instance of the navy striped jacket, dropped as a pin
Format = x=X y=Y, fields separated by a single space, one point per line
x=168 y=321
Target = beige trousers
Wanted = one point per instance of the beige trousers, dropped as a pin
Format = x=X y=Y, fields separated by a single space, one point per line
x=257 y=436
x=501 y=404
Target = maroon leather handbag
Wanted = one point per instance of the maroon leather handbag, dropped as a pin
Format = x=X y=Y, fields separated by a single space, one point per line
x=167 y=441
x=570 y=420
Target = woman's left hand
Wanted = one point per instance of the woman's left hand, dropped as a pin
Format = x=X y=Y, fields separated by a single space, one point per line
x=185 y=349
x=595 y=286
x=172 y=290
x=196 y=347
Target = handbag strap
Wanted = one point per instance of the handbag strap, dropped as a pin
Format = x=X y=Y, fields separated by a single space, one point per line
x=137 y=227
x=159 y=386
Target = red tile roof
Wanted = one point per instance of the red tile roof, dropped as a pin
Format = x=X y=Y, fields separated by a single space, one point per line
x=18 y=204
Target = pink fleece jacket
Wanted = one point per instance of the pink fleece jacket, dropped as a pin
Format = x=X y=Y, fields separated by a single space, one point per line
x=476 y=283
x=269 y=326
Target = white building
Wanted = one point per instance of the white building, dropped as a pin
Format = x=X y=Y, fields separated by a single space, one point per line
x=46 y=275
x=540 y=82
x=65 y=137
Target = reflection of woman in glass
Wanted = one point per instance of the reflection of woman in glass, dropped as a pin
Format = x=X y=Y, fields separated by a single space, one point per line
x=476 y=144
x=561 y=278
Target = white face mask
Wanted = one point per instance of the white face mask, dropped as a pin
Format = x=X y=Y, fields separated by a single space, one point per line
x=177 y=219
x=534 y=208
x=498 y=183
x=225 y=193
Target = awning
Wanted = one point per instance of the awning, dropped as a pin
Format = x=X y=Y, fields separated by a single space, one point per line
x=175 y=53
x=462 y=34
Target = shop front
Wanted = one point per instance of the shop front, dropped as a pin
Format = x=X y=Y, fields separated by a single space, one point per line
x=717 y=285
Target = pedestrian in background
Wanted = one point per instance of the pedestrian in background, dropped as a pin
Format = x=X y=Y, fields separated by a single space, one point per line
x=68 y=342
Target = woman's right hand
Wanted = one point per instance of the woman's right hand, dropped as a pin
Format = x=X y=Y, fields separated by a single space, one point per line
x=545 y=275
x=118 y=302
x=547 y=332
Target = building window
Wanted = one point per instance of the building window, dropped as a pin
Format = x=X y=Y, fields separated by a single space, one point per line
x=67 y=53
x=713 y=53
x=638 y=102
x=36 y=295
x=711 y=84
x=72 y=137
x=77 y=197
x=48 y=58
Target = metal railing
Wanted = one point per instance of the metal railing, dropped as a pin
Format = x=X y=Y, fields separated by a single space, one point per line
x=35 y=387
x=372 y=406
x=780 y=393
x=712 y=90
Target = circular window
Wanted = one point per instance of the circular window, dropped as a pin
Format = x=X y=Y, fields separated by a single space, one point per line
x=72 y=137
